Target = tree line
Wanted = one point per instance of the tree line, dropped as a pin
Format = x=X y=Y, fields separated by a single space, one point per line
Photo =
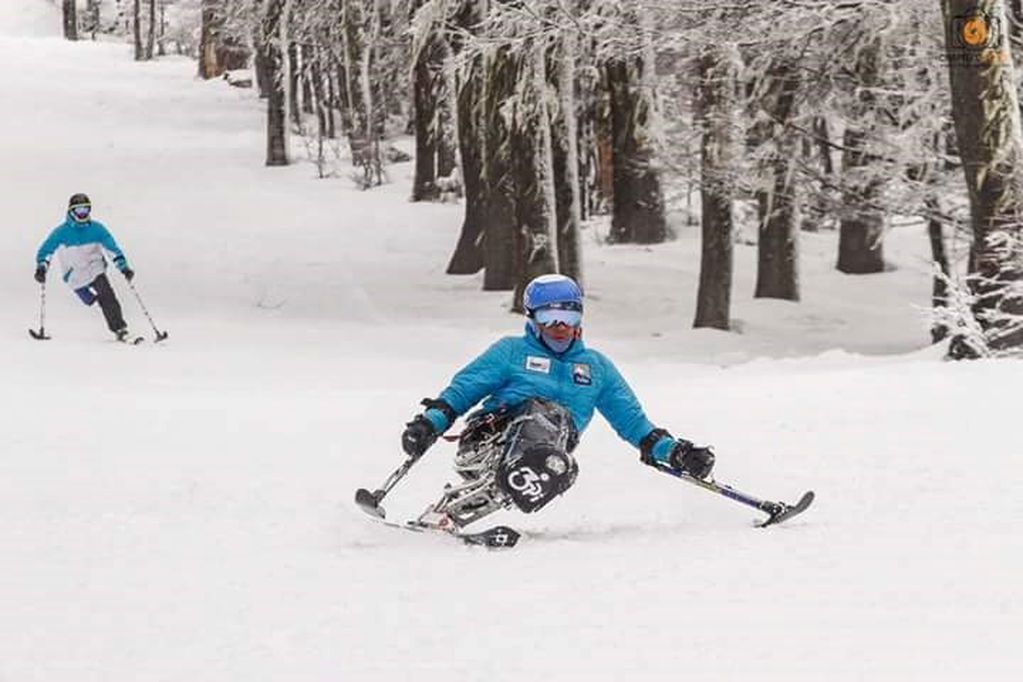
x=855 y=116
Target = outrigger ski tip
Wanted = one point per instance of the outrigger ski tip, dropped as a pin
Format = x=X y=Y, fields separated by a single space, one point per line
x=786 y=512
x=40 y=335
x=370 y=503
x=777 y=512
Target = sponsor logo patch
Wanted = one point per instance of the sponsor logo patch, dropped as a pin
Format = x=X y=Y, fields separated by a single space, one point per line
x=538 y=364
x=581 y=374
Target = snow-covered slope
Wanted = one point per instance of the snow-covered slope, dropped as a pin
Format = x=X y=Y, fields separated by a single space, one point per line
x=35 y=18
x=184 y=511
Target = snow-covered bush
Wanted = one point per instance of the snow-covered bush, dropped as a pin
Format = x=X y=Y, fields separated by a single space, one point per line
x=983 y=312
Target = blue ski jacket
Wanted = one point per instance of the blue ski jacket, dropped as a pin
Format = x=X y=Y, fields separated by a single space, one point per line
x=517 y=368
x=82 y=257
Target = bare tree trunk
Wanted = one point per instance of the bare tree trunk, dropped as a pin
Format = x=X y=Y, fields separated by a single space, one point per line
x=498 y=172
x=427 y=90
x=136 y=26
x=861 y=235
x=715 y=107
x=294 y=85
x=274 y=41
x=209 y=66
x=70 y=19
x=589 y=93
x=565 y=147
x=333 y=102
x=305 y=73
x=447 y=125
x=536 y=237
x=161 y=36
x=820 y=152
x=470 y=91
x=359 y=22
x=317 y=91
x=261 y=65
x=939 y=288
x=638 y=205
x=986 y=114
x=151 y=32
x=777 y=247
x=92 y=18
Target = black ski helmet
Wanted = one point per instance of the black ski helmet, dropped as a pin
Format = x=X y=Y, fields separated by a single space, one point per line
x=79 y=199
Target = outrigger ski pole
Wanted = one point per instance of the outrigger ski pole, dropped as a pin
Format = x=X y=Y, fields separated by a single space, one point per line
x=160 y=335
x=41 y=334
x=370 y=501
x=776 y=511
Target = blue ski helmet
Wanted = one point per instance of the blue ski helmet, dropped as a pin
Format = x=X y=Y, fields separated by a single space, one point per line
x=552 y=291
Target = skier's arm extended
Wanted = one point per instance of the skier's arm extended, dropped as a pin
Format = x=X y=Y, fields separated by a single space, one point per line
x=621 y=408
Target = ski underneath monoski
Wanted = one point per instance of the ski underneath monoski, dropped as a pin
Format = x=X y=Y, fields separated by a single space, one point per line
x=498 y=537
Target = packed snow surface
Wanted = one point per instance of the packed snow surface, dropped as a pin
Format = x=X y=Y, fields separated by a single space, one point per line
x=184 y=511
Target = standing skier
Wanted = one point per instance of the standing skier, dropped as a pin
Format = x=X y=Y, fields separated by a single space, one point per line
x=83 y=263
x=540 y=391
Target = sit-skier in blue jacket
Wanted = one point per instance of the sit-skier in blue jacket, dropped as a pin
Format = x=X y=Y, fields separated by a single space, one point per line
x=551 y=362
x=82 y=241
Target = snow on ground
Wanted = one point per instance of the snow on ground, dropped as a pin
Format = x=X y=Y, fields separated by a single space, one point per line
x=184 y=511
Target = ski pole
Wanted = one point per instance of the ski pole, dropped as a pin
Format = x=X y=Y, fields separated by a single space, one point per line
x=160 y=336
x=41 y=334
x=776 y=511
x=370 y=501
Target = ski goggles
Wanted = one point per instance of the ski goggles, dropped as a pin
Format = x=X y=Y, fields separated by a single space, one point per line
x=553 y=317
x=81 y=211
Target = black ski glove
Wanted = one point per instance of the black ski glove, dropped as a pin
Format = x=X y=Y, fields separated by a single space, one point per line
x=698 y=462
x=418 y=436
x=128 y=273
x=41 y=273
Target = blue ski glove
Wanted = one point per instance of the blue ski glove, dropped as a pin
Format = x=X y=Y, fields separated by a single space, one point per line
x=41 y=273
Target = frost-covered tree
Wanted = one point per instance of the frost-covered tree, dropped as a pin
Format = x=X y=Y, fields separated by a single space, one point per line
x=499 y=79
x=985 y=110
x=429 y=56
x=778 y=207
x=715 y=111
x=466 y=20
x=638 y=212
x=861 y=232
x=224 y=34
x=359 y=29
x=564 y=118
x=274 y=41
x=535 y=203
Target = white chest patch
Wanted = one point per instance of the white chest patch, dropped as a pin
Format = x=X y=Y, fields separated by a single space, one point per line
x=538 y=364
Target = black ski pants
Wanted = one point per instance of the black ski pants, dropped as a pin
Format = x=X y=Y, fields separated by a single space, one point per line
x=101 y=291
